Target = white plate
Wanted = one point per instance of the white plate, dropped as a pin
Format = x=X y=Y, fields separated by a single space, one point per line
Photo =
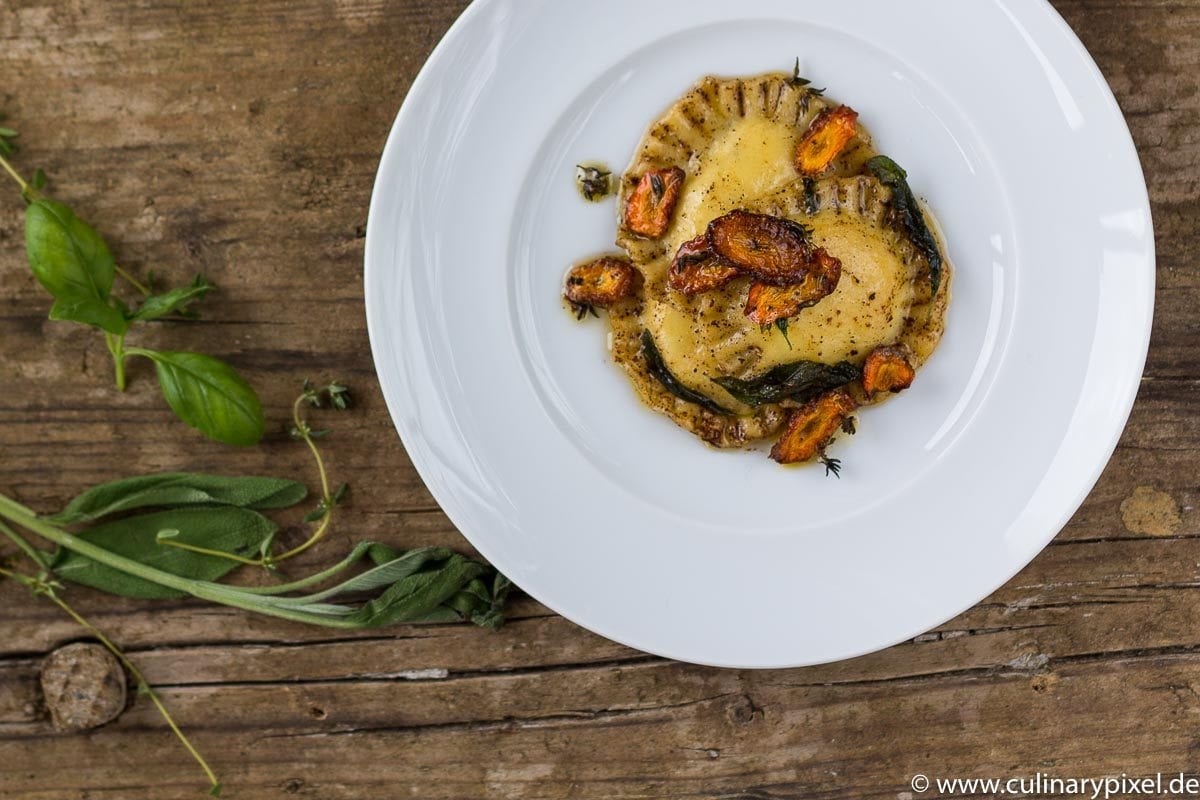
x=533 y=441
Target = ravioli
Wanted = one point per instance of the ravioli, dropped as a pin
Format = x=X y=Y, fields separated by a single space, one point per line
x=736 y=142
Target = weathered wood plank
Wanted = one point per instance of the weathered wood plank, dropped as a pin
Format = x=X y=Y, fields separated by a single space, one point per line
x=661 y=730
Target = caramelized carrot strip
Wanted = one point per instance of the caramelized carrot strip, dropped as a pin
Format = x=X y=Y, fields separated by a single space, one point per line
x=600 y=283
x=697 y=269
x=825 y=139
x=650 y=206
x=888 y=369
x=774 y=250
x=766 y=304
x=810 y=427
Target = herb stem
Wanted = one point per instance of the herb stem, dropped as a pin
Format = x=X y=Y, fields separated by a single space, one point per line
x=204 y=551
x=132 y=281
x=116 y=346
x=15 y=175
x=41 y=587
x=327 y=502
x=326 y=497
x=26 y=548
x=317 y=534
x=204 y=590
x=303 y=428
x=283 y=588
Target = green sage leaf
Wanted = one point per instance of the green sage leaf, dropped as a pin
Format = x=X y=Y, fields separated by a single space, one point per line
x=428 y=584
x=175 y=301
x=224 y=528
x=800 y=381
x=419 y=596
x=179 y=489
x=73 y=263
x=209 y=395
x=908 y=215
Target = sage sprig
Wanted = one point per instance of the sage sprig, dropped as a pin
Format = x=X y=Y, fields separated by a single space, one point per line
x=179 y=534
x=75 y=265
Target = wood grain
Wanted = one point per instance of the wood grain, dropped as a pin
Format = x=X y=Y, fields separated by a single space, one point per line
x=240 y=139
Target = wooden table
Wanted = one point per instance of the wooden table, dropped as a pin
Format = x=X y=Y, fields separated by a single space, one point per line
x=240 y=139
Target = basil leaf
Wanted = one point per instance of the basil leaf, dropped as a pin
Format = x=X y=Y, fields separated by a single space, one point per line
x=89 y=311
x=209 y=395
x=176 y=301
x=225 y=528
x=177 y=489
x=658 y=368
x=73 y=263
x=907 y=214
x=800 y=381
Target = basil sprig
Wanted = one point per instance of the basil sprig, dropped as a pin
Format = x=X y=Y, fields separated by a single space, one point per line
x=75 y=265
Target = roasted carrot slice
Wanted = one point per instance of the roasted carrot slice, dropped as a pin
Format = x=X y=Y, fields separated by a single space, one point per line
x=774 y=250
x=698 y=269
x=825 y=138
x=888 y=369
x=811 y=427
x=650 y=205
x=599 y=283
x=766 y=304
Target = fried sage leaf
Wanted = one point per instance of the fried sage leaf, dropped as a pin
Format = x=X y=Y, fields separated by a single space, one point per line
x=908 y=214
x=177 y=489
x=658 y=368
x=225 y=528
x=800 y=381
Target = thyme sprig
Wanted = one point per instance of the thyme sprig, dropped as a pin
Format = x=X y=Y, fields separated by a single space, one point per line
x=804 y=83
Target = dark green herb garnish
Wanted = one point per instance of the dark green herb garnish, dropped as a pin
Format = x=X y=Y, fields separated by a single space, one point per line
x=780 y=325
x=658 y=368
x=594 y=181
x=906 y=214
x=800 y=381
x=656 y=185
x=811 y=203
x=581 y=310
x=804 y=83
x=833 y=466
